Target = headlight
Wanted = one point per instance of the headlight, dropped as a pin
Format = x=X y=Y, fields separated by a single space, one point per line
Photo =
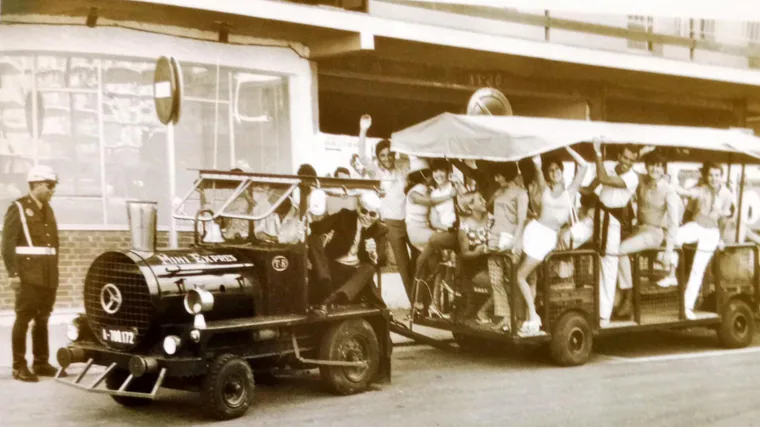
x=171 y=344
x=72 y=331
x=198 y=301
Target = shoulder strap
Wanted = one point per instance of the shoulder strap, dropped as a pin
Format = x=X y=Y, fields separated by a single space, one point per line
x=24 y=225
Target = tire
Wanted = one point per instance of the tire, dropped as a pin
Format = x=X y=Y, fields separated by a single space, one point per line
x=350 y=340
x=571 y=340
x=227 y=389
x=143 y=384
x=737 y=326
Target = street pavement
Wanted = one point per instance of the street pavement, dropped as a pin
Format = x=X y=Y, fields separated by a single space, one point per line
x=641 y=379
x=649 y=379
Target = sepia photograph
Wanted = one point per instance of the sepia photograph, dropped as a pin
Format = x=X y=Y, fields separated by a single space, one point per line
x=380 y=213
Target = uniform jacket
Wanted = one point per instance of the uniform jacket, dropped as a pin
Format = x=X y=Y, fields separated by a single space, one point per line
x=344 y=225
x=32 y=269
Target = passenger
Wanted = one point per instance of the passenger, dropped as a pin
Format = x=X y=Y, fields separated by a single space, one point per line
x=418 y=206
x=473 y=236
x=541 y=235
x=658 y=220
x=510 y=211
x=713 y=206
x=353 y=255
x=443 y=220
x=234 y=229
x=613 y=214
x=579 y=234
x=341 y=172
x=393 y=178
x=282 y=226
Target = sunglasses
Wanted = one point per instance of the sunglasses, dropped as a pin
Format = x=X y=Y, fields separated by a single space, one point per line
x=372 y=214
x=51 y=185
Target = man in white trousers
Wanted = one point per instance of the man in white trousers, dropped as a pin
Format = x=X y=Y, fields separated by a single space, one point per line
x=616 y=185
x=713 y=206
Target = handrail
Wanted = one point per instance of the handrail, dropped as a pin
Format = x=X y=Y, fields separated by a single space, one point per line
x=548 y=22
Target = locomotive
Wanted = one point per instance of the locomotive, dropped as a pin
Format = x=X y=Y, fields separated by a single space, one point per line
x=214 y=316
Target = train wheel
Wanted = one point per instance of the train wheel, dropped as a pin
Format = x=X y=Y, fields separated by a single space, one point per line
x=737 y=327
x=571 y=340
x=227 y=389
x=142 y=385
x=349 y=341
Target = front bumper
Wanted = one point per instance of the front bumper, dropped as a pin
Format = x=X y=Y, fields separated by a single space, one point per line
x=138 y=366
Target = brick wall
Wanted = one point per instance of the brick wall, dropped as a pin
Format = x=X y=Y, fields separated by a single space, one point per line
x=78 y=250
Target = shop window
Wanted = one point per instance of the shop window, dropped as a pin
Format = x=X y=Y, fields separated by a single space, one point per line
x=95 y=123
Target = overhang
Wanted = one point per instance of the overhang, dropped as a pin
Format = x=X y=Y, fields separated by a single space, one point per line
x=329 y=32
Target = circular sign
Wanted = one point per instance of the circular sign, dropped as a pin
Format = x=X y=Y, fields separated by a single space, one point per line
x=110 y=298
x=166 y=89
x=490 y=102
x=180 y=88
x=279 y=263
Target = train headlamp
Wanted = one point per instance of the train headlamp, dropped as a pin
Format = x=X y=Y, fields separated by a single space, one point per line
x=172 y=344
x=198 y=301
x=72 y=331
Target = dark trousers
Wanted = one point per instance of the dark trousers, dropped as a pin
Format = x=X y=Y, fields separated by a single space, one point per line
x=354 y=282
x=398 y=240
x=336 y=282
x=33 y=303
x=428 y=260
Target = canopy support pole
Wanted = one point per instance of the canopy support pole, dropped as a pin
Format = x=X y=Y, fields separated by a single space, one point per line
x=741 y=202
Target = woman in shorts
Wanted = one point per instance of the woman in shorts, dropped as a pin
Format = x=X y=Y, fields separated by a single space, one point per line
x=540 y=235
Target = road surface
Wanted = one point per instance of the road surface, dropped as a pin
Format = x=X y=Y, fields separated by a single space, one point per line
x=654 y=379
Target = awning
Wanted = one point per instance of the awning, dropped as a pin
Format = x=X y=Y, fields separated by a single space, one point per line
x=512 y=138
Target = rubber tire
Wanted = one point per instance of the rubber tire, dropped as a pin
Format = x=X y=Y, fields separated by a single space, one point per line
x=213 y=384
x=570 y=328
x=336 y=378
x=736 y=310
x=144 y=384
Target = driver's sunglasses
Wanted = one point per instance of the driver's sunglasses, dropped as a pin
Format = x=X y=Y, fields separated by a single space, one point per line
x=372 y=214
x=51 y=184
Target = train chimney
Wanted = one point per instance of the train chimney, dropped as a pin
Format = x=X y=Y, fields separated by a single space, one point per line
x=142 y=225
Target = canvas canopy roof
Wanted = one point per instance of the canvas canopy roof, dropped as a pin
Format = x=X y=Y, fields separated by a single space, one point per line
x=512 y=138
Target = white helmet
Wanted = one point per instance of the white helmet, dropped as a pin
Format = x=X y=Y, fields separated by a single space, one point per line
x=41 y=173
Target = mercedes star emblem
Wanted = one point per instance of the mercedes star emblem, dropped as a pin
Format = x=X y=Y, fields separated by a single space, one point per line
x=110 y=298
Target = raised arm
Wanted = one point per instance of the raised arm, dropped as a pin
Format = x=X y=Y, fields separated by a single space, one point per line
x=364 y=124
x=539 y=178
x=601 y=172
x=580 y=175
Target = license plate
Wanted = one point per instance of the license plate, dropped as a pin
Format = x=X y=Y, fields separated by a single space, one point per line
x=119 y=336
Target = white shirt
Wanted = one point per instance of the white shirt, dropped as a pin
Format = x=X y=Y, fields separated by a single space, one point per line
x=393 y=183
x=352 y=257
x=613 y=197
x=447 y=214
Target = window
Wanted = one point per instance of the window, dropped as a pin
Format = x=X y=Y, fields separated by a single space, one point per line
x=753 y=32
x=705 y=30
x=640 y=23
x=95 y=124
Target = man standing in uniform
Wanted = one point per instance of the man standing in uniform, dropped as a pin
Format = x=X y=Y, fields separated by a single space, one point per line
x=30 y=252
x=618 y=185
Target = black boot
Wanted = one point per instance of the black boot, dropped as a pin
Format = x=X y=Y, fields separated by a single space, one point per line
x=23 y=374
x=624 y=309
x=46 y=370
